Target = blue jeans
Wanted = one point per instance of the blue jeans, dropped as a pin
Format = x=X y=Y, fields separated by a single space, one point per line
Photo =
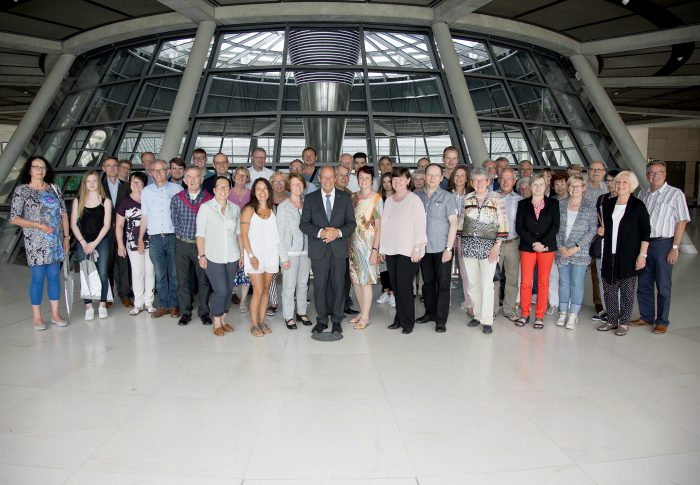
x=657 y=273
x=102 y=265
x=571 y=281
x=50 y=272
x=162 y=252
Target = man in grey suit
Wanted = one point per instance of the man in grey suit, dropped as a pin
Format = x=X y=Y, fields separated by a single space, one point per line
x=328 y=219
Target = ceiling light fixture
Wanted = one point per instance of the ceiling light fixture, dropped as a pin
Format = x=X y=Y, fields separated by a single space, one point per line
x=625 y=2
x=679 y=58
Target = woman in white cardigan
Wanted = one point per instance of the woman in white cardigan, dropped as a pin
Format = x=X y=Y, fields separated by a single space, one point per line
x=293 y=249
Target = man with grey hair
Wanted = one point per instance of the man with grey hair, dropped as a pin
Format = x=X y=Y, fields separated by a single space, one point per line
x=346 y=161
x=490 y=167
x=258 y=169
x=668 y=215
x=297 y=166
x=509 y=259
x=595 y=187
x=525 y=169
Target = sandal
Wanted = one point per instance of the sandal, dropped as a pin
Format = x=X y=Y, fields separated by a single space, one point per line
x=360 y=324
x=304 y=320
x=244 y=308
x=521 y=322
x=256 y=331
x=354 y=320
x=265 y=328
x=292 y=326
x=539 y=324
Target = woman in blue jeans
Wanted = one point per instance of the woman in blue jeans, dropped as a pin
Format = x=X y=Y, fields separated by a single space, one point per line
x=90 y=220
x=578 y=223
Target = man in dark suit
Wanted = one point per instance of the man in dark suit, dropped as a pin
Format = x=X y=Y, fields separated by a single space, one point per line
x=328 y=219
x=118 y=268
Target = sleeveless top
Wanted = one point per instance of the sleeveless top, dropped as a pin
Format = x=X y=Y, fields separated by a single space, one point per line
x=91 y=222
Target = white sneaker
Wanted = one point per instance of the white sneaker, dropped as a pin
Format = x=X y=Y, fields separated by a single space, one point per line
x=562 y=319
x=392 y=301
x=571 y=321
x=89 y=313
x=135 y=310
x=384 y=298
x=102 y=311
x=552 y=309
x=150 y=309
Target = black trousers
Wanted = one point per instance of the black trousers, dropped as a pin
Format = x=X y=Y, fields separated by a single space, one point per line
x=402 y=271
x=436 y=286
x=118 y=269
x=348 y=285
x=186 y=263
x=329 y=272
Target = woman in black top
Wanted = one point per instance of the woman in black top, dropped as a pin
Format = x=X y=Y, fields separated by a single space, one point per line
x=91 y=218
x=537 y=224
x=625 y=241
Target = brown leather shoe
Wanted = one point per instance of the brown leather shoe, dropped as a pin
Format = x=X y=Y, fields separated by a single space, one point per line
x=108 y=304
x=227 y=327
x=160 y=312
x=127 y=302
x=175 y=312
x=218 y=331
x=235 y=299
x=639 y=322
x=659 y=329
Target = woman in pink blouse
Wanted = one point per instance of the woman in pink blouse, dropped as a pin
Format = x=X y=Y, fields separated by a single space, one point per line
x=402 y=244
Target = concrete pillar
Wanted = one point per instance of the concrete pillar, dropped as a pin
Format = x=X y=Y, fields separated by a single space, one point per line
x=460 y=94
x=35 y=113
x=632 y=157
x=180 y=115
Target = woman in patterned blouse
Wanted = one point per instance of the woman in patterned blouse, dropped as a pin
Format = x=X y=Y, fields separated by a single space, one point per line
x=38 y=208
x=484 y=224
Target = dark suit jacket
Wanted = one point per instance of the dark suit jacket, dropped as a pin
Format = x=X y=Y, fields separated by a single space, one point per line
x=531 y=229
x=123 y=190
x=210 y=182
x=634 y=228
x=313 y=219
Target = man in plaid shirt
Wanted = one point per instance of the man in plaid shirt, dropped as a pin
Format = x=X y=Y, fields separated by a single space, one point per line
x=183 y=209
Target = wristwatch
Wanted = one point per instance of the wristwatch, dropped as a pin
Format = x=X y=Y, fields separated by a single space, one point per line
x=675 y=246
x=448 y=249
x=200 y=256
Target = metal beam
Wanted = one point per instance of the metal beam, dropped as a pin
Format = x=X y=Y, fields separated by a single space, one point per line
x=650 y=82
x=668 y=113
x=30 y=44
x=22 y=80
x=449 y=11
x=660 y=38
x=195 y=10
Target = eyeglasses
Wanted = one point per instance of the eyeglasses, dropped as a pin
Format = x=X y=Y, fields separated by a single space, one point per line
x=39 y=167
x=655 y=173
x=159 y=170
x=596 y=170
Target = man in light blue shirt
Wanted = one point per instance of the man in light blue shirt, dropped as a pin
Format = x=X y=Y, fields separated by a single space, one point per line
x=157 y=221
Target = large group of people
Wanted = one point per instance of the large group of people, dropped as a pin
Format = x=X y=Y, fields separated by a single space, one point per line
x=515 y=237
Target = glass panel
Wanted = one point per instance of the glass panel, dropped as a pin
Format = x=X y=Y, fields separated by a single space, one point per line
x=92 y=72
x=109 y=103
x=130 y=62
x=51 y=145
x=250 y=49
x=391 y=49
x=536 y=103
x=69 y=184
x=89 y=146
x=505 y=141
x=236 y=137
x=411 y=139
x=143 y=137
x=157 y=97
x=552 y=147
x=407 y=93
x=489 y=98
x=294 y=141
x=516 y=64
x=594 y=148
x=71 y=109
x=292 y=101
x=552 y=72
x=231 y=93
x=574 y=111
x=173 y=56
x=473 y=57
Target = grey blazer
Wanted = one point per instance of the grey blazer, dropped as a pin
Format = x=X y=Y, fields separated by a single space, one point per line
x=292 y=240
x=582 y=233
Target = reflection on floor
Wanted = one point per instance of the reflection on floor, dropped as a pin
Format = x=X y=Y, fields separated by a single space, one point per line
x=137 y=400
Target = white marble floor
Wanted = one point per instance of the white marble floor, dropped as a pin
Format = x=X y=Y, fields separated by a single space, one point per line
x=132 y=400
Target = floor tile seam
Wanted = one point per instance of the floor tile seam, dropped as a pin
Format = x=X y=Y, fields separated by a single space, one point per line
x=663 y=418
x=48 y=467
x=516 y=469
x=636 y=458
x=23 y=401
x=255 y=440
x=395 y=419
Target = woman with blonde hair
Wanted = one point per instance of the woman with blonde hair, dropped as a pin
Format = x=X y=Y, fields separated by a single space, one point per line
x=459 y=185
x=240 y=195
x=91 y=218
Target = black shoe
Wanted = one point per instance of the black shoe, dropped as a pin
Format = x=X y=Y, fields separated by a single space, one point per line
x=406 y=331
x=394 y=326
x=350 y=311
x=206 y=320
x=303 y=319
x=271 y=311
x=337 y=328
x=319 y=327
x=487 y=329
x=425 y=319
x=473 y=323
x=440 y=328
x=184 y=319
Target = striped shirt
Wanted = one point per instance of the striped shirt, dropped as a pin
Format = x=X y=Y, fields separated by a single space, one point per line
x=667 y=207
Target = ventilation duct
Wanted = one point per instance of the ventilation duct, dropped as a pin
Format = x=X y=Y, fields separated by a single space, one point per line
x=324 y=90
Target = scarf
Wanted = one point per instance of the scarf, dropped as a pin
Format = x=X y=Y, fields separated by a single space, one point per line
x=188 y=202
